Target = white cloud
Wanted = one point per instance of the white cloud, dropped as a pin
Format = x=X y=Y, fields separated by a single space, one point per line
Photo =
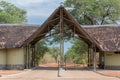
x=41 y=12
x=26 y=2
x=40 y=8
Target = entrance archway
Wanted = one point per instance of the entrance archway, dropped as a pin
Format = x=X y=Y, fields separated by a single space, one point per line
x=61 y=18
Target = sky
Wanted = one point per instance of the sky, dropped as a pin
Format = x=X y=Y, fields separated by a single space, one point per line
x=38 y=11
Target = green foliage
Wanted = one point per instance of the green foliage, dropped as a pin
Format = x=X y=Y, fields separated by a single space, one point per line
x=88 y=12
x=79 y=46
x=77 y=52
x=9 y=13
x=55 y=38
x=42 y=48
x=91 y=12
x=55 y=51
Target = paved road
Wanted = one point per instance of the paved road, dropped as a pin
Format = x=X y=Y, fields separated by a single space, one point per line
x=52 y=75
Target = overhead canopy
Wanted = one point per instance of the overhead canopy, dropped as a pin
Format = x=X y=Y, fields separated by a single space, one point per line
x=53 y=20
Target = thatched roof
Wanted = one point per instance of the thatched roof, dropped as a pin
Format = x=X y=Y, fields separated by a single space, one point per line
x=107 y=36
x=63 y=18
x=14 y=35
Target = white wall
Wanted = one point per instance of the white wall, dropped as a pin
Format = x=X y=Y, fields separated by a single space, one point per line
x=112 y=59
x=2 y=56
x=15 y=56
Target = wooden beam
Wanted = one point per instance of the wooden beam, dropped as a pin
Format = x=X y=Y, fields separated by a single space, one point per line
x=68 y=20
x=42 y=36
x=52 y=20
x=81 y=36
x=52 y=24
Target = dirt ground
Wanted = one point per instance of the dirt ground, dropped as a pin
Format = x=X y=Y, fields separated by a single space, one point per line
x=10 y=72
x=115 y=73
x=50 y=72
x=76 y=66
x=44 y=74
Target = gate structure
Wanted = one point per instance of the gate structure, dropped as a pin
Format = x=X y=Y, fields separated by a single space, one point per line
x=65 y=22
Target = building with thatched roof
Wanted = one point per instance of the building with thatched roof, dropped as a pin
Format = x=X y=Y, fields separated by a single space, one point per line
x=12 y=38
x=18 y=50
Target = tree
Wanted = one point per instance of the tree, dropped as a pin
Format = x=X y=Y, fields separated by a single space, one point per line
x=70 y=56
x=78 y=51
x=9 y=13
x=94 y=12
x=55 y=51
x=55 y=38
x=91 y=12
x=41 y=49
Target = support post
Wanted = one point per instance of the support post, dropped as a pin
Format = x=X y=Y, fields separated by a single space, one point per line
x=25 y=57
x=91 y=56
x=94 y=55
x=34 y=56
x=60 y=74
x=61 y=38
x=29 y=56
x=36 y=62
x=88 y=56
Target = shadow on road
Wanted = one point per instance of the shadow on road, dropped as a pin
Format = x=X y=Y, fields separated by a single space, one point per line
x=56 y=68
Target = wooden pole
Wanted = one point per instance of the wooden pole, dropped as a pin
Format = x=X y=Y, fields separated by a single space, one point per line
x=94 y=53
x=88 y=56
x=36 y=60
x=60 y=73
x=32 y=61
x=27 y=62
x=36 y=49
x=25 y=57
x=61 y=38
x=34 y=56
x=29 y=57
